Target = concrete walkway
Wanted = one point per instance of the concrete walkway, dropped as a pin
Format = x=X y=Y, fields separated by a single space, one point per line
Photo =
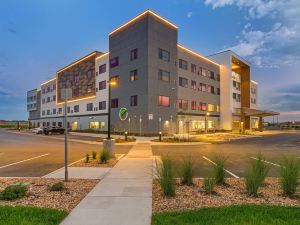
x=123 y=196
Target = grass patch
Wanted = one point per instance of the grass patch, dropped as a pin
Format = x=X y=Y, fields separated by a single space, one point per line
x=233 y=215
x=10 y=215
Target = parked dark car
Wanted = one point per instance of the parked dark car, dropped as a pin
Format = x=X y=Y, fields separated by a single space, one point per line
x=53 y=130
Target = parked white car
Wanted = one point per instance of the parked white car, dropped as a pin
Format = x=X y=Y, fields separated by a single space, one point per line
x=37 y=130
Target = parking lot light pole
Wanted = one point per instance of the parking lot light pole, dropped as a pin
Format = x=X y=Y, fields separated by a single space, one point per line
x=66 y=140
x=110 y=83
x=206 y=115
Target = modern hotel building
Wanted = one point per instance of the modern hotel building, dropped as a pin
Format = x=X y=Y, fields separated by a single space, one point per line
x=161 y=86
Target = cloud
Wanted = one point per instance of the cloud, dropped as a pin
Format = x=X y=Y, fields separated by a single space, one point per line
x=189 y=14
x=273 y=47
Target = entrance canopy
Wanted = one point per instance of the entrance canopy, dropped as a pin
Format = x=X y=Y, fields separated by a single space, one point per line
x=259 y=113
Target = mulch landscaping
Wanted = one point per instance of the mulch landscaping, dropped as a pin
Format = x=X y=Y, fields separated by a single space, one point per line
x=232 y=193
x=39 y=194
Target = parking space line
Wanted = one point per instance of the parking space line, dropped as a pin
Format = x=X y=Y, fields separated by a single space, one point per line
x=227 y=171
x=274 y=164
x=11 y=164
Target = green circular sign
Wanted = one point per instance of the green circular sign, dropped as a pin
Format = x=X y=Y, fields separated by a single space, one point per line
x=123 y=113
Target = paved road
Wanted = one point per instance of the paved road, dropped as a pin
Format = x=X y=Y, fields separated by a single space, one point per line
x=273 y=147
x=44 y=154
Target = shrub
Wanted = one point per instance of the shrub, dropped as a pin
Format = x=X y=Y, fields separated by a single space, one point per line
x=219 y=169
x=104 y=156
x=256 y=175
x=166 y=177
x=59 y=186
x=187 y=172
x=14 y=191
x=94 y=155
x=87 y=158
x=209 y=184
x=289 y=174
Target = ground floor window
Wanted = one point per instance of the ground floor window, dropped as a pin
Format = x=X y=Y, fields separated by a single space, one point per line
x=210 y=124
x=96 y=124
x=198 y=124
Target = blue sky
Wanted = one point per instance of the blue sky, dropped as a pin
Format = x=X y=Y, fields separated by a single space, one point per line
x=39 y=37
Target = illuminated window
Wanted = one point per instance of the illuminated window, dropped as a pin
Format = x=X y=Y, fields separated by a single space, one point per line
x=164 y=101
x=164 y=75
x=102 y=124
x=164 y=55
x=90 y=88
x=182 y=104
x=133 y=75
x=210 y=107
x=94 y=125
x=115 y=103
x=114 y=62
x=202 y=106
x=115 y=79
x=102 y=68
x=193 y=105
x=183 y=82
x=218 y=108
x=198 y=124
x=210 y=124
x=183 y=64
x=133 y=54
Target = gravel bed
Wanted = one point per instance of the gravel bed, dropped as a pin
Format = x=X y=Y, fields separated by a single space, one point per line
x=232 y=193
x=39 y=194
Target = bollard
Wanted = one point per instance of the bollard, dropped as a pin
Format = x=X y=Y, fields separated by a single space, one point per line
x=126 y=139
x=160 y=136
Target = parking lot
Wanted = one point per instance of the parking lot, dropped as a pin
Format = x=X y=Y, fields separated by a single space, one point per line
x=238 y=153
x=29 y=155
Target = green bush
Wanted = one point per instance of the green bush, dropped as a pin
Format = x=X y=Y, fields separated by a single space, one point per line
x=289 y=174
x=104 y=156
x=187 y=172
x=256 y=175
x=87 y=158
x=94 y=155
x=166 y=177
x=209 y=184
x=219 y=169
x=14 y=191
x=59 y=186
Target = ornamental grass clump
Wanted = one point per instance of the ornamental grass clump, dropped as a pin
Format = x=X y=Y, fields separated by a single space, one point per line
x=187 y=172
x=166 y=177
x=94 y=155
x=14 y=191
x=59 y=186
x=289 y=174
x=219 y=169
x=256 y=175
x=209 y=184
x=104 y=156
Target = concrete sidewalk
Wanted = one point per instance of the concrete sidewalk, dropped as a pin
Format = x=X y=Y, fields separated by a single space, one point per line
x=123 y=196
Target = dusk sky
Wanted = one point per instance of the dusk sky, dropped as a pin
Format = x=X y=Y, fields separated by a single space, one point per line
x=38 y=37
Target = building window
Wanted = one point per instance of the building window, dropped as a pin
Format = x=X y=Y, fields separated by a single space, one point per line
x=90 y=88
x=48 y=89
x=218 y=91
x=193 y=68
x=43 y=112
x=54 y=87
x=218 y=108
x=164 y=55
x=102 y=68
x=212 y=89
x=202 y=87
x=115 y=79
x=76 y=78
x=75 y=92
x=53 y=111
x=236 y=97
x=114 y=62
x=89 y=74
x=183 y=64
x=183 y=82
x=133 y=75
x=210 y=107
x=60 y=124
x=102 y=105
x=133 y=100
x=43 y=101
x=205 y=72
x=236 y=85
x=76 y=108
x=68 y=109
x=59 y=110
x=193 y=85
x=182 y=104
x=102 y=85
x=133 y=54
x=164 y=101
x=202 y=106
x=115 y=103
x=89 y=107
x=48 y=111
x=54 y=98
x=94 y=125
x=208 y=88
x=193 y=105
x=212 y=75
x=48 y=99
x=43 y=91
x=164 y=75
